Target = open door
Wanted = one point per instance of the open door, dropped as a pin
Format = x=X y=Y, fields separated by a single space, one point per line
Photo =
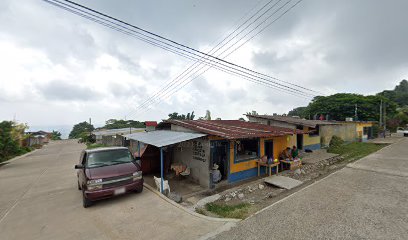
x=269 y=149
x=299 y=141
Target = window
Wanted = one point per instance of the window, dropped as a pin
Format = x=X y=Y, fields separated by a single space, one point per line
x=366 y=130
x=313 y=132
x=107 y=158
x=246 y=150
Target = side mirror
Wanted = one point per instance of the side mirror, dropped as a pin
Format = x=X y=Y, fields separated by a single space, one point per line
x=79 y=166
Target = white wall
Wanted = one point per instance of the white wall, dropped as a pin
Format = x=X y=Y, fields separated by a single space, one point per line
x=196 y=155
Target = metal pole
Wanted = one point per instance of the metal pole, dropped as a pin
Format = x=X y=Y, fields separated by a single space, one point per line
x=380 y=116
x=161 y=170
x=385 y=118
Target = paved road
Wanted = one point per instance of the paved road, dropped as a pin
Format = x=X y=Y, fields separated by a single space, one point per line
x=39 y=200
x=367 y=200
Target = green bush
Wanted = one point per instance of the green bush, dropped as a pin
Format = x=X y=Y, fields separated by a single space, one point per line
x=336 y=142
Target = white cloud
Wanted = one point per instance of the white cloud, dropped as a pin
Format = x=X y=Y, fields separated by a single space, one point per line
x=58 y=68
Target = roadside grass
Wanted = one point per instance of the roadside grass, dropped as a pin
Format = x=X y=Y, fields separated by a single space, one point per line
x=94 y=145
x=229 y=211
x=355 y=150
x=21 y=151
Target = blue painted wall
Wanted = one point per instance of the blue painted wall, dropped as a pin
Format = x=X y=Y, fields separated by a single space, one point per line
x=312 y=147
x=246 y=174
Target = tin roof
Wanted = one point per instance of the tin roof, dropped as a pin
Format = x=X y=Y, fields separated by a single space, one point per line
x=294 y=120
x=161 y=138
x=117 y=131
x=151 y=124
x=233 y=129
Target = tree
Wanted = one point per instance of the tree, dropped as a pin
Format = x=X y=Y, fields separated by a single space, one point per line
x=78 y=129
x=343 y=105
x=208 y=115
x=253 y=113
x=11 y=134
x=55 y=135
x=299 y=111
x=176 y=116
x=114 y=124
x=399 y=95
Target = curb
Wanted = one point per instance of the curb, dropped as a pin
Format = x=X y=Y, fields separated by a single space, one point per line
x=227 y=220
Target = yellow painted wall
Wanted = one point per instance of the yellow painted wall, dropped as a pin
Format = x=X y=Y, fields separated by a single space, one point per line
x=360 y=126
x=308 y=140
x=279 y=144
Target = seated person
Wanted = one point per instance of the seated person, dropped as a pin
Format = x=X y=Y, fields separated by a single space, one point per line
x=295 y=153
x=216 y=174
x=263 y=159
x=286 y=154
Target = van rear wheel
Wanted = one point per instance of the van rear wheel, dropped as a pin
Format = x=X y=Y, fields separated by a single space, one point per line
x=85 y=201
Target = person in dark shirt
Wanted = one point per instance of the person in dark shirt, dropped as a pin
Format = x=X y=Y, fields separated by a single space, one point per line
x=295 y=153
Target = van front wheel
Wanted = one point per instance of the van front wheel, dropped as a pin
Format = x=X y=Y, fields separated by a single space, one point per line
x=85 y=201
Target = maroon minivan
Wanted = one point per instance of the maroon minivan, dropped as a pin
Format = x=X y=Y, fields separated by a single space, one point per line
x=107 y=172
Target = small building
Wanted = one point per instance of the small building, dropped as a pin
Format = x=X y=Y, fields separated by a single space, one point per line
x=317 y=133
x=231 y=144
x=113 y=137
x=363 y=129
x=38 y=138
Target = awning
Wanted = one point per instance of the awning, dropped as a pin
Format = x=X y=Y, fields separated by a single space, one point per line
x=161 y=138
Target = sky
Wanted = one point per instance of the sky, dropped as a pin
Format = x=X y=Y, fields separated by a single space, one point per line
x=60 y=69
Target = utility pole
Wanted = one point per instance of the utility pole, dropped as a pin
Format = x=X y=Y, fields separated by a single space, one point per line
x=385 y=118
x=381 y=114
x=355 y=113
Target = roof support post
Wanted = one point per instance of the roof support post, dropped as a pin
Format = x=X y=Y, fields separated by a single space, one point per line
x=138 y=149
x=161 y=170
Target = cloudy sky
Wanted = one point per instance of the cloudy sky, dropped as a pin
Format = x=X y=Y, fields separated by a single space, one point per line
x=60 y=69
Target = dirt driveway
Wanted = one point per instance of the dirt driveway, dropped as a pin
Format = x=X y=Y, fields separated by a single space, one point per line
x=39 y=200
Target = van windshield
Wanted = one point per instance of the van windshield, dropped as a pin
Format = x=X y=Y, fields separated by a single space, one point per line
x=107 y=158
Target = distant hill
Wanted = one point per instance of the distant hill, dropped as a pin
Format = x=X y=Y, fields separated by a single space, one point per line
x=399 y=95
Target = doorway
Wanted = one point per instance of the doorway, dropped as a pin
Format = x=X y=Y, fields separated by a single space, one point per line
x=220 y=156
x=269 y=149
x=299 y=141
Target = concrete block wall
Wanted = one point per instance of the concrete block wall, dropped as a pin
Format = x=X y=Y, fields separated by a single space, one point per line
x=196 y=155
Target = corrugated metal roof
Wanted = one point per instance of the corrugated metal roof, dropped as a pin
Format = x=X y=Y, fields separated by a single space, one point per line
x=119 y=131
x=163 y=138
x=294 y=120
x=234 y=129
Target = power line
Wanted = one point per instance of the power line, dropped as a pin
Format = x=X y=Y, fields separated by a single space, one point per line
x=219 y=61
x=149 y=40
x=237 y=48
x=194 y=65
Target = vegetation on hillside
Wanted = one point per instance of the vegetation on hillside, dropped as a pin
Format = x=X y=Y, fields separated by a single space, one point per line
x=11 y=135
x=115 y=124
x=79 y=129
x=343 y=105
